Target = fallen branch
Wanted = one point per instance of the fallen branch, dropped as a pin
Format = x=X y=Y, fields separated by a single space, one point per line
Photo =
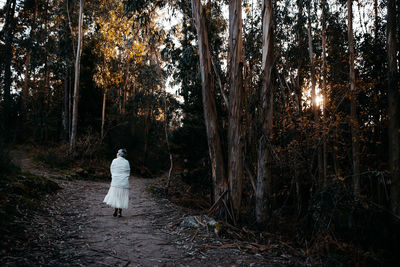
x=211 y=210
x=252 y=181
x=229 y=213
x=197 y=230
x=199 y=221
x=220 y=84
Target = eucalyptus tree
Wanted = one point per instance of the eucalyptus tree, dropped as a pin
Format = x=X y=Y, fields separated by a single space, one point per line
x=312 y=64
x=76 y=79
x=355 y=137
x=235 y=106
x=182 y=61
x=209 y=104
x=236 y=94
x=117 y=50
x=31 y=11
x=393 y=110
x=264 y=179
x=252 y=43
x=300 y=52
x=7 y=55
x=144 y=13
x=314 y=105
x=66 y=24
x=324 y=84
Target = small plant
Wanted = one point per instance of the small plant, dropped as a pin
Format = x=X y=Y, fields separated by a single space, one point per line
x=54 y=158
x=6 y=165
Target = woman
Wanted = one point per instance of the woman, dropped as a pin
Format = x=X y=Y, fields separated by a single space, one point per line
x=118 y=194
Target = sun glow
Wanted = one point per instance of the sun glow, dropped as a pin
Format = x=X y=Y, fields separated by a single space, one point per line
x=307 y=98
x=319 y=100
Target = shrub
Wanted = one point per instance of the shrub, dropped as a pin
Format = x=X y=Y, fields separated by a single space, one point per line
x=341 y=226
x=54 y=157
x=6 y=165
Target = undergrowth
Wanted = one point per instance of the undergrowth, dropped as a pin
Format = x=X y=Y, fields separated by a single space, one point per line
x=81 y=166
x=20 y=193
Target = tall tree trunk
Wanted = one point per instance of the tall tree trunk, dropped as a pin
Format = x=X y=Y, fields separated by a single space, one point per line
x=312 y=66
x=299 y=36
x=353 y=104
x=103 y=113
x=171 y=162
x=66 y=106
x=77 y=75
x=209 y=105
x=263 y=187
x=393 y=98
x=47 y=93
x=235 y=146
x=8 y=29
x=70 y=27
x=313 y=93
x=149 y=105
x=147 y=123
x=376 y=25
x=125 y=88
x=25 y=88
x=298 y=86
x=335 y=156
x=70 y=102
x=324 y=91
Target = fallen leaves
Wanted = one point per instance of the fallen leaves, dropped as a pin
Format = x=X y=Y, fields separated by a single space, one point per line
x=243 y=246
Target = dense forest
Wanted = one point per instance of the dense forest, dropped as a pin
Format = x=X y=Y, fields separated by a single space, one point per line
x=281 y=115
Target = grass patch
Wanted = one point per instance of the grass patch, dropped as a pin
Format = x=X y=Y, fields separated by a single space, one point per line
x=73 y=166
x=55 y=159
x=20 y=193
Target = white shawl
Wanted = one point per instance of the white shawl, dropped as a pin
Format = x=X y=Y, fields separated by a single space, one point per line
x=120 y=171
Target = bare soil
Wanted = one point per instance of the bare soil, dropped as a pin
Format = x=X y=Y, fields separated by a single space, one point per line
x=75 y=228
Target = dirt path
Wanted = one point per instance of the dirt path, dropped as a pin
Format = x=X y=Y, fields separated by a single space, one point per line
x=75 y=228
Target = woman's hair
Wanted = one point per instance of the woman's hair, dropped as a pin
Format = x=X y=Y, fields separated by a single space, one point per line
x=122 y=152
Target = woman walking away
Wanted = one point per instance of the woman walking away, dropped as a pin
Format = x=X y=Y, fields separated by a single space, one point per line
x=118 y=194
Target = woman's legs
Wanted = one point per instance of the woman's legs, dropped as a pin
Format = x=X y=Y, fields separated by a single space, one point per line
x=117 y=212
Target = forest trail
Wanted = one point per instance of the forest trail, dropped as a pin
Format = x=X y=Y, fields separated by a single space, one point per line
x=75 y=228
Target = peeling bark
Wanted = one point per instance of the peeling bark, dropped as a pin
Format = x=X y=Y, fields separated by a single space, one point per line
x=263 y=186
x=235 y=142
x=209 y=105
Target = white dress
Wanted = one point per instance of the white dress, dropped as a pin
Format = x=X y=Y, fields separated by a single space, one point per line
x=118 y=194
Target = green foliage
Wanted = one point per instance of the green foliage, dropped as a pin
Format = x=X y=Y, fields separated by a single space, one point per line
x=188 y=141
x=143 y=8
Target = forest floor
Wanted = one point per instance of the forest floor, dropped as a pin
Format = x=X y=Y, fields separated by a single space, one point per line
x=75 y=228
